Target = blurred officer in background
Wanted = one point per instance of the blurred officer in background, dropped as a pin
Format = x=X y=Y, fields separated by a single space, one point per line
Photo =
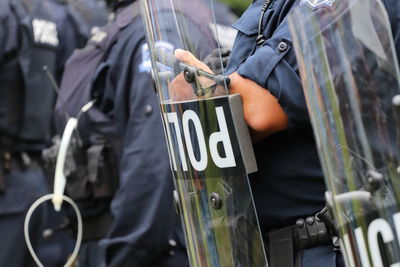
x=139 y=227
x=29 y=40
x=31 y=33
x=76 y=21
x=146 y=231
x=114 y=69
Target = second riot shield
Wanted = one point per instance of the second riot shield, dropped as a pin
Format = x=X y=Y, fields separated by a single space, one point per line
x=208 y=140
x=350 y=76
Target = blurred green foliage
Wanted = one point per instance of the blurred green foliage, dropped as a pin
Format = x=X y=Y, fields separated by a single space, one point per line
x=238 y=6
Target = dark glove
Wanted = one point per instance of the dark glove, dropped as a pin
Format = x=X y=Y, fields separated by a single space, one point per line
x=216 y=58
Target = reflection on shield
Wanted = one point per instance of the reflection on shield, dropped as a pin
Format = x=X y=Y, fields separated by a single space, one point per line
x=350 y=77
x=317 y=3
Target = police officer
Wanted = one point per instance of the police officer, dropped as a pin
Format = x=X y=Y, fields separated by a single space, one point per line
x=288 y=188
x=289 y=185
x=75 y=20
x=114 y=70
x=145 y=229
x=28 y=41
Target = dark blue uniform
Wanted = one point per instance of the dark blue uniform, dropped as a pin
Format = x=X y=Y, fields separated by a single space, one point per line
x=20 y=142
x=76 y=20
x=145 y=227
x=289 y=184
x=32 y=34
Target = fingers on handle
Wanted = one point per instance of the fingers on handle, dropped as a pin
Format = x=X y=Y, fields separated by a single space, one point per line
x=185 y=56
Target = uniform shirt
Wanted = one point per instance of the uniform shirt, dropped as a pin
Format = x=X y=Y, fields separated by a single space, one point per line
x=69 y=34
x=21 y=64
x=11 y=48
x=144 y=216
x=289 y=183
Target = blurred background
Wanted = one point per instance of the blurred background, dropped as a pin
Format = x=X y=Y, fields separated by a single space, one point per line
x=237 y=6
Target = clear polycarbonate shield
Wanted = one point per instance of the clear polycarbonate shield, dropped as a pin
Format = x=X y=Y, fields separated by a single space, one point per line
x=350 y=76
x=208 y=140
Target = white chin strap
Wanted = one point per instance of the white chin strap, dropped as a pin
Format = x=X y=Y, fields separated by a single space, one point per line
x=59 y=186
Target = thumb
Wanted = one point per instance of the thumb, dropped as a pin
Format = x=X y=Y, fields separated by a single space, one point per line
x=185 y=56
x=188 y=58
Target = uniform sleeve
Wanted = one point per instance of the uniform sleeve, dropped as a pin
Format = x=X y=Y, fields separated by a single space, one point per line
x=273 y=66
x=142 y=207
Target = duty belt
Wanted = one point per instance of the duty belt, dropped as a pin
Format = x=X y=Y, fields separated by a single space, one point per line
x=286 y=243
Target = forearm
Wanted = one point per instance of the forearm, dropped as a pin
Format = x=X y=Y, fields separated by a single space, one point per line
x=262 y=111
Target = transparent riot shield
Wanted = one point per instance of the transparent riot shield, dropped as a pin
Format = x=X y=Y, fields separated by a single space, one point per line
x=350 y=76
x=208 y=140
